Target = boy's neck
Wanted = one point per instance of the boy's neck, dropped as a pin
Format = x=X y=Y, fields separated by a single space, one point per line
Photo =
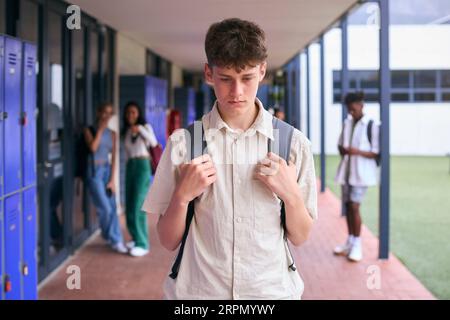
x=241 y=121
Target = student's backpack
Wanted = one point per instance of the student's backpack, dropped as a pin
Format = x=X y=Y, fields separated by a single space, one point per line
x=84 y=155
x=369 y=136
x=282 y=136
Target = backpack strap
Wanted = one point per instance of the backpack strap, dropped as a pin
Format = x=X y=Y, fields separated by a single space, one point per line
x=369 y=131
x=369 y=136
x=281 y=145
x=195 y=149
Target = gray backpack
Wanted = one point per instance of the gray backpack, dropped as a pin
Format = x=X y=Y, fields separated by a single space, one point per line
x=283 y=138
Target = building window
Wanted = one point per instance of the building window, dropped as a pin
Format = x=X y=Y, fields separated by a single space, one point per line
x=95 y=78
x=406 y=85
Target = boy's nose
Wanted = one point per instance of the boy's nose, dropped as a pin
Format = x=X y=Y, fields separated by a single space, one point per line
x=236 y=90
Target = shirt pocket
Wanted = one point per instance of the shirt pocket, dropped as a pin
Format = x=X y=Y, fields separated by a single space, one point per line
x=266 y=210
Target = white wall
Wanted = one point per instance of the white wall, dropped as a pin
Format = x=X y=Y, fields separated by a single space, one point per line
x=416 y=128
x=131 y=56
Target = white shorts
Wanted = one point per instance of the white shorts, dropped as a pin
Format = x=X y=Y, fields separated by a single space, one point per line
x=353 y=194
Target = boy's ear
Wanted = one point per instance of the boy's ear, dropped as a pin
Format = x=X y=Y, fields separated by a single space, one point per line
x=208 y=74
x=262 y=71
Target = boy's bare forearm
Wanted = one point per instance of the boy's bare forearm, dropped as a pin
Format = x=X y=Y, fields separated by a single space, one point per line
x=298 y=220
x=171 y=225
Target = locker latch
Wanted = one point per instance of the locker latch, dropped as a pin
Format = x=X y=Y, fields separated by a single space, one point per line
x=8 y=285
x=25 y=270
x=3 y=115
x=24 y=119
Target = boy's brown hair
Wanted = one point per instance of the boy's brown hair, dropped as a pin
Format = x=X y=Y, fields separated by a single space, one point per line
x=235 y=43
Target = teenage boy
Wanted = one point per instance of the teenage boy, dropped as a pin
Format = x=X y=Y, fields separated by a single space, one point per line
x=358 y=146
x=235 y=247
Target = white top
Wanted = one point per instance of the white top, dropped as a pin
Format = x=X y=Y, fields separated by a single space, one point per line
x=145 y=139
x=363 y=171
x=235 y=247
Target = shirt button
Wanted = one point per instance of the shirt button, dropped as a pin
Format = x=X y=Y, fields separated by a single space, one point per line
x=239 y=220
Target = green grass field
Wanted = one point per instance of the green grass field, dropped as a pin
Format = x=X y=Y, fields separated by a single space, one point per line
x=420 y=216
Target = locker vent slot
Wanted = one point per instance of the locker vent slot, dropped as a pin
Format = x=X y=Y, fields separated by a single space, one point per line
x=12 y=58
x=30 y=62
x=12 y=216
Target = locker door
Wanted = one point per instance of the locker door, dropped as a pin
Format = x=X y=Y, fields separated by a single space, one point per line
x=29 y=111
x=2 y=153
x=12 y=108
x=29 y=263
x=12 y=247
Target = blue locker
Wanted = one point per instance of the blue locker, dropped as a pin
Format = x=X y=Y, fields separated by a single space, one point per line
x=29 y=112
x=2 y=154
x=29 y=262
x=12 y=247
x=12 y=92
x=1 y=249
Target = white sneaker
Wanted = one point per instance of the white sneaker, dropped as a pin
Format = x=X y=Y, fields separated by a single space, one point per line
x=343 y=249
x=355 y=254
x=119 y=247
x=130 y=245
x=138 y=252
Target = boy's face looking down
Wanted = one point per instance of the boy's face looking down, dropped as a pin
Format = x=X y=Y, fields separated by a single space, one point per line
x=355 y=109
x=235 y=90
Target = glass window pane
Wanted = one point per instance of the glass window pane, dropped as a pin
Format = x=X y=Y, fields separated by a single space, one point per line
x=368 y=79
x=400 y=97
x=94 y=39
x=336 y=79
x=78 y=123
x=371 y=97
x=337 y=97
x=106 y=77
x=353 y=78
x=428 y=96
x=55 y=136
x=424 y=79
x=400 y=79
x=445 y=78
x=28 y=22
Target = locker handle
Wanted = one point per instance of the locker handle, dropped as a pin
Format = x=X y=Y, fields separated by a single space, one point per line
x=25 y=270
x=3 y=115
x=24 y=119
x=8 y=284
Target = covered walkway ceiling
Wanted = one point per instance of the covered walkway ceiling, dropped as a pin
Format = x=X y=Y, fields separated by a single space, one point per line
x=175 y=29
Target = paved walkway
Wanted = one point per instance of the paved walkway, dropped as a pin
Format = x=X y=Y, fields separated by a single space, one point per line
x=106 y=275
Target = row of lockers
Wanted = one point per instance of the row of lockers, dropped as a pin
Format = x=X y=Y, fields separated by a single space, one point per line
x=17 y=109
x=18 y=228
x=185 y=101
x=151 y=93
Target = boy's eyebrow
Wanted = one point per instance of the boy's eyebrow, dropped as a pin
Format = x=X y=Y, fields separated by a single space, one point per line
x=244 y=75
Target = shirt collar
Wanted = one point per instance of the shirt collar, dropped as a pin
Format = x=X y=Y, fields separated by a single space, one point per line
x=262 y=123
x=365 y=118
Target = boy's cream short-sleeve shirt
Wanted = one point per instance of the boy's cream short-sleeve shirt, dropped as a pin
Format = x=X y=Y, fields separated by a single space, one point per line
x=235 y=247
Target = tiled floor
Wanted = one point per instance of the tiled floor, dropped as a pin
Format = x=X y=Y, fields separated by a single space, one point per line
x=107 y=275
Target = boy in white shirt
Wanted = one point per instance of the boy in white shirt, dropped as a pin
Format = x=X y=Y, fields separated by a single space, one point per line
x=235 y=248
x=359 y=148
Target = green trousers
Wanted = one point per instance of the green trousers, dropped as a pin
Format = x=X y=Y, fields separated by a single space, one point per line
x=137 y=181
